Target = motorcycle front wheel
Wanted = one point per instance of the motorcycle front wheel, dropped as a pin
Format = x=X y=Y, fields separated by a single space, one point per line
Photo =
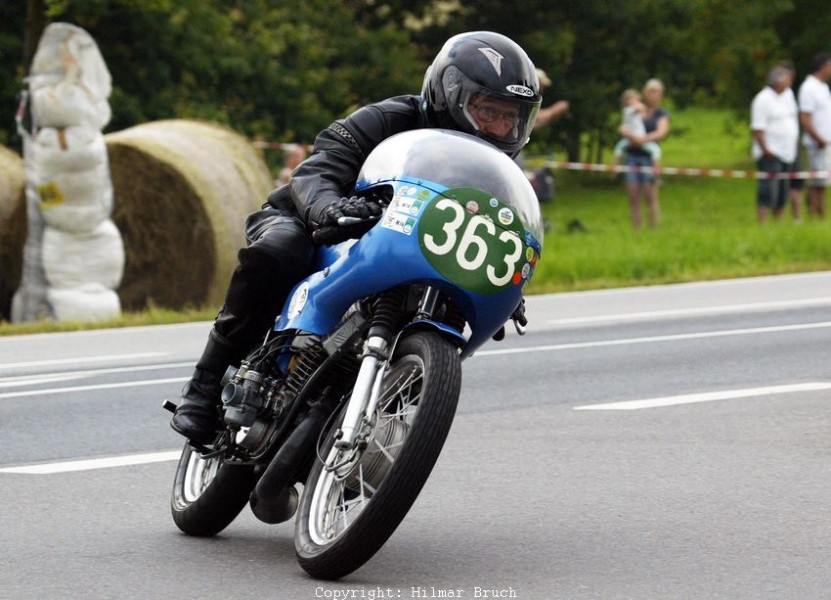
x=208 y=494
x=350 y=508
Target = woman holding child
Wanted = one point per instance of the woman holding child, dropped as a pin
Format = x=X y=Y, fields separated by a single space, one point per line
x=645 y=123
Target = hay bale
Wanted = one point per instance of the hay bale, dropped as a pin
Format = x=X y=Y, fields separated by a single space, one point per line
x=12 y=226
x=182 y=192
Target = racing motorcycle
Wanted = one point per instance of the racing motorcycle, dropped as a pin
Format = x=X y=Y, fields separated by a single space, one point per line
x=340 y=415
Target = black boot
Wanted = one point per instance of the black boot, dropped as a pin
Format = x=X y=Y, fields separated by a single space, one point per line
x=197 y=416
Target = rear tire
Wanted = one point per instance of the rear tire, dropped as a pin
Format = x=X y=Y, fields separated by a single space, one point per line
x=209 y=494
x=345 y=518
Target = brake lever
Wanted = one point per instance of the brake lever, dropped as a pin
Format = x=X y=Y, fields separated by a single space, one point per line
x=520 y=329
x=344 y=221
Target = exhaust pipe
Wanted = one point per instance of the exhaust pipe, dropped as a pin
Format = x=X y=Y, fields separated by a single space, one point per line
x=275 y=499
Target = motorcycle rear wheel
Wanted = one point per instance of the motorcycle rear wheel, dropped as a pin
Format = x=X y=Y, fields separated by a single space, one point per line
x=344 y=519
x=209 y=494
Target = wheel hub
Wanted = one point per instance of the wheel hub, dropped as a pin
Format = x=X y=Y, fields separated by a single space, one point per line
x=378 y=457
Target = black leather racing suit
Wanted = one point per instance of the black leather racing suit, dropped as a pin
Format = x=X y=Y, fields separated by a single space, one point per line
x=279 y=250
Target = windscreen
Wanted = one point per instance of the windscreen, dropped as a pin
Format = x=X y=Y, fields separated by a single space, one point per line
x=452 y=159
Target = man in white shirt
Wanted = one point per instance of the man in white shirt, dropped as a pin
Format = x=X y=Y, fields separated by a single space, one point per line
x=815 y=118
x=775 y=126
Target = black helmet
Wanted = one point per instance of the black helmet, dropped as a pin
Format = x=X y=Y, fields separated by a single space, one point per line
x=482 y=64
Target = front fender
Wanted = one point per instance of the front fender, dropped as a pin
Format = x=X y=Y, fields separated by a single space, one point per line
x=452 y=335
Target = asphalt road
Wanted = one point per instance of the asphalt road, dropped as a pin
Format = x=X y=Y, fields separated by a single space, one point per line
x=666 y=442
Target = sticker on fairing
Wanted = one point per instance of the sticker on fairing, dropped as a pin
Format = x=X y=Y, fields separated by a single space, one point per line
x=298 y=300
x=485 y=252
x=404 y=208
x=406 y=205
x=398 y=222
x=406 y=190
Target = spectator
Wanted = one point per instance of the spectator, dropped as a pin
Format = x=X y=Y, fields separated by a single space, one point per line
x=775 y=126
x=633 y=110
x=551 y=113
x=641 y=181
x=293 y=155
x=542 y=179
x=815 y=118
x=796 y=183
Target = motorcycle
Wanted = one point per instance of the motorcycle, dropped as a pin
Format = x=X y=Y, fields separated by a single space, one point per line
x=340 y=415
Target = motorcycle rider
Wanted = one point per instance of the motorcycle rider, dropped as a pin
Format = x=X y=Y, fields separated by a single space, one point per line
x=481 y=83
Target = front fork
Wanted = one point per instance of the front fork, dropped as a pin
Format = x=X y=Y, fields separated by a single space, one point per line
x=366 y=395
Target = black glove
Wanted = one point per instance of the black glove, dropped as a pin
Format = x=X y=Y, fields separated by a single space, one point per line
x=345 y=219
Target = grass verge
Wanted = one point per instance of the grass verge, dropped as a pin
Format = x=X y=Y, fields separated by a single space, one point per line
x=708 y=228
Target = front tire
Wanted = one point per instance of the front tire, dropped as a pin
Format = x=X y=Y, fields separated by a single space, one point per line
x=209 y=494
x=345 y=517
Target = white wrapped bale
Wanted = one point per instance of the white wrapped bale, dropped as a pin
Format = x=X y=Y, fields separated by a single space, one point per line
x=69 y=81
x=71 y=149
x=73 y=252
x=71 y=260
x=90 y=302
x=67 y=106
x=77 y=201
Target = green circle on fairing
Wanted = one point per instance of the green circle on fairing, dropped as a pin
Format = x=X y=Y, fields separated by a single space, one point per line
x=475 y=241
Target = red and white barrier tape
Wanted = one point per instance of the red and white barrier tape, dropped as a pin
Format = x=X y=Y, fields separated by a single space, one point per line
x=691 y=171
x=604 y=168
x=280 y=146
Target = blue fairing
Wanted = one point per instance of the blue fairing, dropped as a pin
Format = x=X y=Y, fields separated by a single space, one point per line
x=413 y=243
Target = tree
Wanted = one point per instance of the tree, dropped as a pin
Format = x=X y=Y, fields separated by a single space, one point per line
x=591 y=49
x=283 y=69
x=803 y=31
x=279 y=70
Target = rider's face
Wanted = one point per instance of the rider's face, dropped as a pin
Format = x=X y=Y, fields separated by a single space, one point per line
x=494 y=117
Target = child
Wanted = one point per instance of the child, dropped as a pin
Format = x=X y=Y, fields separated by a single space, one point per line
x=633 y=110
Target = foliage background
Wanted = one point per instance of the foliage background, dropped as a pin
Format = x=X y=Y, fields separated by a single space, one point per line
x=283 y=69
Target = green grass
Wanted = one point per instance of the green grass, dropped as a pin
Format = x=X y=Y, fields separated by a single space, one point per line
x=708 y=229
x=153 y=316
x=702 y=137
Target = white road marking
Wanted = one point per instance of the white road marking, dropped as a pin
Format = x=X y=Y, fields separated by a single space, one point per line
x=21 y=380
x=659 y=338
x=94 y=463
x=153 y=457
x=10 y=382
x=78 y=360
x=99 y=386
x=680 y=312
x=708 y=396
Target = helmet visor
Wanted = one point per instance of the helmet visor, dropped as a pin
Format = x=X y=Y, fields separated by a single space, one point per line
x=501 y=117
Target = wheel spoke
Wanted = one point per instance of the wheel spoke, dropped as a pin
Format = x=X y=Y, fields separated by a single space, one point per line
x=337 y=511
x=200 y=472
x=385 y=450
x=396 y=388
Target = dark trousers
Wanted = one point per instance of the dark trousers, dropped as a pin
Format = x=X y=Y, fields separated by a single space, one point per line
x=278 y=255
x=773 y=193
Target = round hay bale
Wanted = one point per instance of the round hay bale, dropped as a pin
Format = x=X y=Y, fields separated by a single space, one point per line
x=182 y=192
x=12 y=226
